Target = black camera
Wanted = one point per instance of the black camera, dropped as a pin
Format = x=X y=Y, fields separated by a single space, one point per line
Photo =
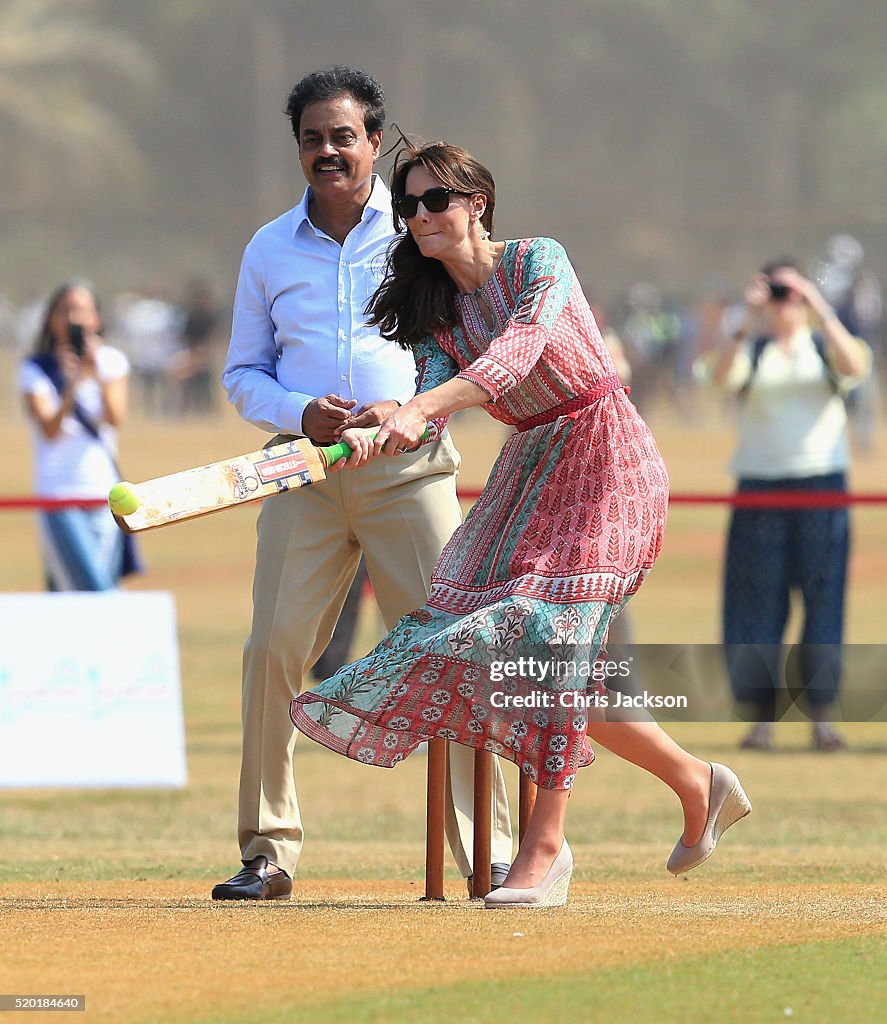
x=76 y=339
x=779 y=292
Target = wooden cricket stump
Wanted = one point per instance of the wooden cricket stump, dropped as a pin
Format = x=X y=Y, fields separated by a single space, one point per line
x=483 y=810
x=435 y=803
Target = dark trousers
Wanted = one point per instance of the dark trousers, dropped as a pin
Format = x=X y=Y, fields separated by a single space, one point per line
x=770 y=553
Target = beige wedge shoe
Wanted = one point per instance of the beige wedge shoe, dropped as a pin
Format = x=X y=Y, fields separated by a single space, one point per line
x=550 y=892
x=726 y=805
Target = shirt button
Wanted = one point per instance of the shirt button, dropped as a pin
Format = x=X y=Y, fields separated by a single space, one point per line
x=343 y=378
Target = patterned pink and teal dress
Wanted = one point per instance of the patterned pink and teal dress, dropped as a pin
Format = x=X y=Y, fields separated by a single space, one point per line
x=567 y=527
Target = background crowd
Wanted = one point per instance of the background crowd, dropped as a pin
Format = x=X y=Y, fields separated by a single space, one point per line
x=175 y=342
x=667 y=347
x=175 y=337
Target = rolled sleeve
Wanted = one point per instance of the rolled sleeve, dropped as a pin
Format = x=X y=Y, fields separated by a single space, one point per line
x=492 y=376
x=739 y=373
x=847 y=382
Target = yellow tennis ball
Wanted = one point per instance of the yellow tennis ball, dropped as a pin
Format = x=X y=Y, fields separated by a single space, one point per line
x=122 y=499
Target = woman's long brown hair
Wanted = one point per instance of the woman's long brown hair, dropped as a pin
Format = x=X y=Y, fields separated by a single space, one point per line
x=417 y=295
x=45 y=341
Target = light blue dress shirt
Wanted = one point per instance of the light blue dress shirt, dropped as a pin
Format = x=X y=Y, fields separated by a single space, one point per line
x=299 y=330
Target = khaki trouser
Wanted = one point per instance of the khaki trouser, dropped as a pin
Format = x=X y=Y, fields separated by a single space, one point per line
x=400 y=512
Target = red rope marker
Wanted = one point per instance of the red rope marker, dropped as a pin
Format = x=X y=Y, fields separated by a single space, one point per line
x=749 y=499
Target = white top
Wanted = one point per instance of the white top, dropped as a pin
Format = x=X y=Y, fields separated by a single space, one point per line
x=299 y=331
x=791 y=421
x=74 y=464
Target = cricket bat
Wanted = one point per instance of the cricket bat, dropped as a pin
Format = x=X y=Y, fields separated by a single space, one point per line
x=220 y=485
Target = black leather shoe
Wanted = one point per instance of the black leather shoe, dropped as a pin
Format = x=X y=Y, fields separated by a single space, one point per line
x=498 y=874
x=255 y=882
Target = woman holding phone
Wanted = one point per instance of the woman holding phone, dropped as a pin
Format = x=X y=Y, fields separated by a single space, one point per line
x=74 y=388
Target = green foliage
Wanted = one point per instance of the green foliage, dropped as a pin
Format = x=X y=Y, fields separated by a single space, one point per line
x=58 y=64
x=631 y=129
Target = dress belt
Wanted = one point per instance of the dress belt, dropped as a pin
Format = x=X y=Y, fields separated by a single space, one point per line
x=573 y=405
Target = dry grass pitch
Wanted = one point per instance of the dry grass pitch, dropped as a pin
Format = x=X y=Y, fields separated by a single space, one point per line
x=106 y=893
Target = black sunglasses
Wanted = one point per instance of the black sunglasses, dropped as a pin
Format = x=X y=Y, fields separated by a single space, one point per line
x=435 y=200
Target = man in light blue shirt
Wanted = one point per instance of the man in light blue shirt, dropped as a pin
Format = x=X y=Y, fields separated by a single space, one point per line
x=299 y=328
x=303 y=361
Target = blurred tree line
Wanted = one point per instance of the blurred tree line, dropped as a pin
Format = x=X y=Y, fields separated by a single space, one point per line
x=680 y=141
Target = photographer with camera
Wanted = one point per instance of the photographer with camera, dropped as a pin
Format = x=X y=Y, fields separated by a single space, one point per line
x=74 y=389
x=791 y=364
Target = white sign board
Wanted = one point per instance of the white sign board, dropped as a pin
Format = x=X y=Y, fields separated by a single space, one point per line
x=90 y=693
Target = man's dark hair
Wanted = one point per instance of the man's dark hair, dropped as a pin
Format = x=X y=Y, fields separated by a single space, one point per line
x=331 y=84
x=782 y=263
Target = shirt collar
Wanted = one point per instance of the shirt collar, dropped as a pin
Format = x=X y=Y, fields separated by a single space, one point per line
x=379 y=200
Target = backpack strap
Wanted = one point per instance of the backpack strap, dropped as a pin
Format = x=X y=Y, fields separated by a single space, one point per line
x=832 y=377
x=757 y=350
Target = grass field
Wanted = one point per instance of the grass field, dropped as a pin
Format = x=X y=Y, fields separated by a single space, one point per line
x=106 y=892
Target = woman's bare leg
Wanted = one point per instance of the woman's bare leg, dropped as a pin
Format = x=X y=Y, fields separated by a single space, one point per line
x=647 y=745
x=643 y=743
x=542 y=841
